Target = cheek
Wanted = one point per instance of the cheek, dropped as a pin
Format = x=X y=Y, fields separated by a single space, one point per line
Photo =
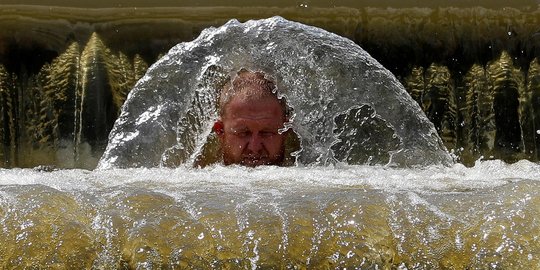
x=275 y=144
x=234 y=143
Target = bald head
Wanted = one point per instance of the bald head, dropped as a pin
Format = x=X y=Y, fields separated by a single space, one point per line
x=248 y=86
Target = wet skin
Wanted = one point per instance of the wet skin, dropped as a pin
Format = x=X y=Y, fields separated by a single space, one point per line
x=249 y=132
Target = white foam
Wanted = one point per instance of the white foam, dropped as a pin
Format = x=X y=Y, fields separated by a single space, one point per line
x=484 y=174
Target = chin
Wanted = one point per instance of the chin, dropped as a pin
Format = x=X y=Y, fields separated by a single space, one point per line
x=249 y=162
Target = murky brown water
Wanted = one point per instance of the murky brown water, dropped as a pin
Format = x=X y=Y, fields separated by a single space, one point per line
x=279 y=3
x=307 y=218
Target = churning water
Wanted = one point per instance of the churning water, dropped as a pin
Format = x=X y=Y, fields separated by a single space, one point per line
x=345 y=105
x=368 y=217
x=322 y=213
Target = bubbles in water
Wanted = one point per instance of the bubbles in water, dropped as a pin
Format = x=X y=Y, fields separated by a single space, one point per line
x=304 y=4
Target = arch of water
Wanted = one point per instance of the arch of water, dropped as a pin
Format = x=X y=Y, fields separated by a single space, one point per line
x=347 y=107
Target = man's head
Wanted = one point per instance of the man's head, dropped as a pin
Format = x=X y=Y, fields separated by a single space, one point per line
x=251 y=119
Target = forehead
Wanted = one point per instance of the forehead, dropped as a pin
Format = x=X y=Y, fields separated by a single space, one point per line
x=261 y=108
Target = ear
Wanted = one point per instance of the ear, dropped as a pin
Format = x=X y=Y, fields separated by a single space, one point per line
x=218 y=128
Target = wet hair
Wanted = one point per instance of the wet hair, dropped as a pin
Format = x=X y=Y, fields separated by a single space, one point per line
x=252 y=85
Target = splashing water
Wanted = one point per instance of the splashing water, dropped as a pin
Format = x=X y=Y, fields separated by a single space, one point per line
x=346 y=106
x=320 y=214
x=316 y=217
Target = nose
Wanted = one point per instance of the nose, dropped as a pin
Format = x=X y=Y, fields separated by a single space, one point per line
x=255 y=143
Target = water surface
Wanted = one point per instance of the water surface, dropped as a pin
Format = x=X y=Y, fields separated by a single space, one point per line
x=484 y=217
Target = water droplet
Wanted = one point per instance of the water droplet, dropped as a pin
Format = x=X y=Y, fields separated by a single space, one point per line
x=201 y=236
x=538 y=131
x=509 y=33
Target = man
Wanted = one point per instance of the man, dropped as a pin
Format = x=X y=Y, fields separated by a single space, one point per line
x=251 y=125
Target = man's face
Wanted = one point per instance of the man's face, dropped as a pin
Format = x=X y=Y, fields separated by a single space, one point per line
x=249 y=134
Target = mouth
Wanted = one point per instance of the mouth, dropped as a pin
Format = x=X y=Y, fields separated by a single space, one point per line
x=255 y=161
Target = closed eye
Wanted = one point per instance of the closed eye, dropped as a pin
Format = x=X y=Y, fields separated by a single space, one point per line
x=267 y=133
x=242 y=133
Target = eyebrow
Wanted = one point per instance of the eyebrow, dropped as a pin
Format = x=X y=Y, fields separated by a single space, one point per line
x=238 y=129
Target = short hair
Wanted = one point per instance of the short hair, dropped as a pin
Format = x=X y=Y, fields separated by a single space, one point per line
x=253 y=85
